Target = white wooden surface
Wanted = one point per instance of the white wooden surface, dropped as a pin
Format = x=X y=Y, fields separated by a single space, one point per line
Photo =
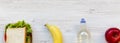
x=100 y=15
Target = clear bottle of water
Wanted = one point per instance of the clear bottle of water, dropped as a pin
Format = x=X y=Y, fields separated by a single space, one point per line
x=83 y=35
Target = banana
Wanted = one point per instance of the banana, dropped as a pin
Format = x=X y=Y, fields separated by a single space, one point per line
x=56 y=33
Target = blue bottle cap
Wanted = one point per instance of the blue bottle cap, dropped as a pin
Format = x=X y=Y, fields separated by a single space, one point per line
x=82 y=20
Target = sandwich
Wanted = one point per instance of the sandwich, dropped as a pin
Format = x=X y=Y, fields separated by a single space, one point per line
x=19 y=32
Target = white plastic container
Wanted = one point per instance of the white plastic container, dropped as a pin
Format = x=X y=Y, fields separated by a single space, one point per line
x=83 y=35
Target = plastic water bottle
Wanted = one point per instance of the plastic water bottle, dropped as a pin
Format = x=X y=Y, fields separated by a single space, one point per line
x=83 y=35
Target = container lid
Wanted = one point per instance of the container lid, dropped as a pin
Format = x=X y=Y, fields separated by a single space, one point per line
x=82 y=20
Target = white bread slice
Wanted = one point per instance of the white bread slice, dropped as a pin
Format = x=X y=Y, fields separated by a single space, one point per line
x=16 y=35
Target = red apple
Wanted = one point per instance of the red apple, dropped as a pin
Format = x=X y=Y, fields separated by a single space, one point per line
x=112 y=35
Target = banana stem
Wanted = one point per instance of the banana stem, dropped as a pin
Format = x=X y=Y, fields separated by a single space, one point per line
x=47 y=25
